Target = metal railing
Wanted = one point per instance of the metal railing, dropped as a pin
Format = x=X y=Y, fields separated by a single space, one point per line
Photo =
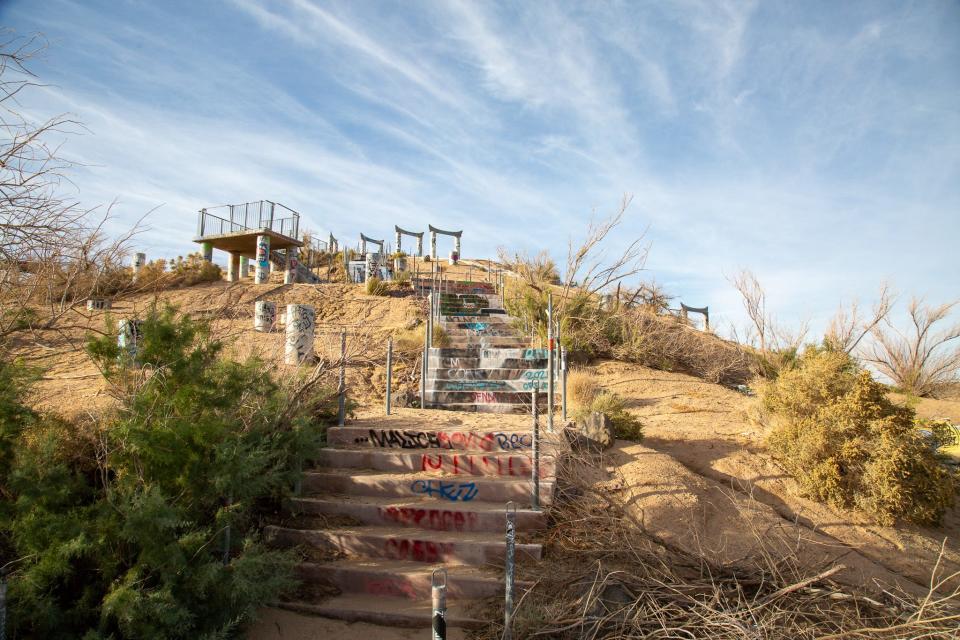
x=234 y=218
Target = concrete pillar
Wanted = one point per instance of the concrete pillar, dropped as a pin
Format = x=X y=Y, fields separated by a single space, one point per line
x=420 y=246
x=263 y=260
x=264 y=316
x=454 y=257
x=456 y=245
x=128 y=338
x=244 y=266
x=207 y=251
x=293 y=265
x=97 y=304
x=139 y=260
x=433 y=245
x=363 y=246
x=233 y=267
x=301 y=322
x=398 y=242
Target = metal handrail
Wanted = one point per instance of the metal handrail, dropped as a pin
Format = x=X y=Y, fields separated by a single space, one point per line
x=261 y=214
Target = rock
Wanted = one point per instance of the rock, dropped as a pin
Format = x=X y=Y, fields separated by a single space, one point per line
x=595 y=433
x=406 y=398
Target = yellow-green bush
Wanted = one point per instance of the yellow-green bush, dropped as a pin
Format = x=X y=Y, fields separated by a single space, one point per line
x=582 y=388
x=377 y=287
x=847 y=444
x=626 y=426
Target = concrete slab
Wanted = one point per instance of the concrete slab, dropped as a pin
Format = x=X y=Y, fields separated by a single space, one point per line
x=244 y=242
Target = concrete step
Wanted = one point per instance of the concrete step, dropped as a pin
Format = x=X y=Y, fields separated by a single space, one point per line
x=436 y=462
x=388 y=612
x=503 y=396
x=485 y=342
x=471 y=360
x=523 y=384
x=496 y=354
x=411 y=486
x=404 y=579
x=494 y=319
x=465 y=374
x=422 y=514
x=397 y=543
x=382 y=438
x=481 y=407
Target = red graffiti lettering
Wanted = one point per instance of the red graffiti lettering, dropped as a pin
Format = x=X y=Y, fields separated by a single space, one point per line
x=390 y=587
x=418 y=550
x=435 y=519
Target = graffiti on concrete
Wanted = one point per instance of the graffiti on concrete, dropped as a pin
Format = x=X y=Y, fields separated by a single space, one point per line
x=396 y=439
x=418 y=550
x=301 y=320
x=452 y=491
x=466 y=464
x=436 y=519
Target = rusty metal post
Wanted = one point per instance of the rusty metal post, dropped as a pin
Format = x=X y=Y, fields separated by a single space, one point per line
x=342 y=395
x=535 y=453
x=389 y=371
x=439 y=593
x=509 y=570
x=563 y=384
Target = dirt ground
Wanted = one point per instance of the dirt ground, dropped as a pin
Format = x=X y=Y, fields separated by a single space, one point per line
x=702 y=480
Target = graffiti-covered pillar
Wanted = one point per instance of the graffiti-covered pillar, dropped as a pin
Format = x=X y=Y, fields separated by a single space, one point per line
x=420 y=246
x=233 y=267
x=138 y=261
x=293 y=265
x=263 y=259
x=301 y=320
x=264 y=315
x=207 y=251
x=128 y=339
x=244 y=266
x=399 y=249
x=433 y=245
x=456 y=245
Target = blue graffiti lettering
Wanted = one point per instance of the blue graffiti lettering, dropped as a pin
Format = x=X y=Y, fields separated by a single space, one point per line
x=452 y=491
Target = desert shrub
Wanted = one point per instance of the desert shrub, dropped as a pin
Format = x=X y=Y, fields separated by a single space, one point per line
x=582 y=388
x=123 y=528
x=626 y=426
x=376 y=287
x=847 y=444
x=402 y=278
x=194 y=270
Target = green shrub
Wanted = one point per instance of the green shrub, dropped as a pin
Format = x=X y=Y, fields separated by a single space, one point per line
x=122 y=526
x=582 y=388
x=847 y=444
x=402 y=278
x=626 y=426
x=377 y=287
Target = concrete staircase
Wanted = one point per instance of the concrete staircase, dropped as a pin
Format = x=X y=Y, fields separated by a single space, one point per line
x=485 y=365
x=385 y=505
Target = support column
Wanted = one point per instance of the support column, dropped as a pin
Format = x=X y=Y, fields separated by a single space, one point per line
x=207 y=251
x=233 y=268
x=301 y=321
x=456 y=245
x=293 y=266
x=433 y=245
x=139 y=260
x=399 y=249
x=420 y=246
x=244 y=266
x=263 y=260
x=264 y=316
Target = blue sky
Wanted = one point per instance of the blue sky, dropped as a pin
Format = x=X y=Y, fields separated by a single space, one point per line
x=817 y=143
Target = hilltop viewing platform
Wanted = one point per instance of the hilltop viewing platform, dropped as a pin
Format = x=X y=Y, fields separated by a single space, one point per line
x=234 y=227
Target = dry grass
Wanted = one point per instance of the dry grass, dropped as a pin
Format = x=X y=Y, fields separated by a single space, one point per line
x=582 y=388
x=609 y=578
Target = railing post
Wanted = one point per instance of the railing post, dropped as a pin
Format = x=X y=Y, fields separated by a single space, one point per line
x=342 y=397
x=550 y=363
x=389 y=371
x=563 y=383
x=535 y=452
x=439 y=593
x=508 y=571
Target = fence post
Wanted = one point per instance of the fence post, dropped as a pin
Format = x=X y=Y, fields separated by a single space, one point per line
x=439 y=593
x=389 y=371
x=550 y=364
x=342 y=398
x=509 y=568
x=563 y=383
x=535 y=453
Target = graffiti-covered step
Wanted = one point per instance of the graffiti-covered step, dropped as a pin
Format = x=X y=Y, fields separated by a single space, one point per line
x=413 y=485
x=488 y=353
x=484 y=407
x=403 y=579
x=474 y=362
x=524 y=383
x=397 y=543
x=432 y=515
x=518 y=398
x=502 y=342
x=499 y=464
x=465 y=374
x=454 y=440
x=389 y=612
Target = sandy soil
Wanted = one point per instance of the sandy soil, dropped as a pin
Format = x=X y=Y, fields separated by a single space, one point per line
x=703 y=479
x=277 y=624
